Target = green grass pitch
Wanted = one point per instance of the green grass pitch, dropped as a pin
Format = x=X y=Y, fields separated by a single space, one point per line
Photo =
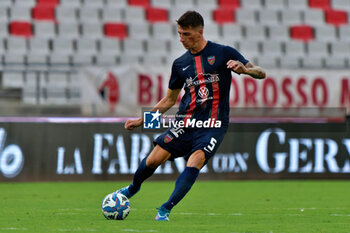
x=211 y=206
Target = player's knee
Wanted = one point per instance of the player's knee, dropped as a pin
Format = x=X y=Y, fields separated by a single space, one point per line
x=197 y=159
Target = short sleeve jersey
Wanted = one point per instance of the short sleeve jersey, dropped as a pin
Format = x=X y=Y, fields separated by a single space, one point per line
x=206 y=81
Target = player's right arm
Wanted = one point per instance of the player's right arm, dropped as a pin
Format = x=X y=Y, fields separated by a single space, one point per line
x=163 y=105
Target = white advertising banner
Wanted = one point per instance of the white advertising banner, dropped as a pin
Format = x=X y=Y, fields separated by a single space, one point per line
x=124 y=90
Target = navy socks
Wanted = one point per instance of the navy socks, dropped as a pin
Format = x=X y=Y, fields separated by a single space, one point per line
x=183 y=184
x=142 y=173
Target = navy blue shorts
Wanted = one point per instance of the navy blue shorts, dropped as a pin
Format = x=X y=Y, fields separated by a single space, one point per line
x=182 y=142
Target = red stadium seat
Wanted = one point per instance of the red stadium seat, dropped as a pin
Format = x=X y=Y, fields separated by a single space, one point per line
x=20 y=28
x=154 y=15
x=336 y=17
x=302 y=32
x=51 y=3
x=43 y=12
x=142 y=3
x=322 y=4
x=115 y=30
x=229 y=3
x=224 y=15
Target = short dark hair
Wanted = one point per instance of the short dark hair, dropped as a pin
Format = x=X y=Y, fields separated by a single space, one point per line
x=190 y=19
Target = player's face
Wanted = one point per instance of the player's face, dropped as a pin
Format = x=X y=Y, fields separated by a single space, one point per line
x=190 y=37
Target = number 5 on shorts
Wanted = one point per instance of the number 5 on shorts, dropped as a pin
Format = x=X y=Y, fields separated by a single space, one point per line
x=209 y=148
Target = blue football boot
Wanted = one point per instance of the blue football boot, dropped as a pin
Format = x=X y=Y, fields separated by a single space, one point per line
x=125 y=191
x=162 y=214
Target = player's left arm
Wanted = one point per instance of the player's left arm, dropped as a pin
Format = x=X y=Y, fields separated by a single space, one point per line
x=250 y=69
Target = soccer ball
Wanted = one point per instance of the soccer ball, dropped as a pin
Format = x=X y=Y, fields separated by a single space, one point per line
x=115 y=206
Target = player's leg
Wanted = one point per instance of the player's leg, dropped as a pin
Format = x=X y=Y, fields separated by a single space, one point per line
x=146 y=169
x=183 y=184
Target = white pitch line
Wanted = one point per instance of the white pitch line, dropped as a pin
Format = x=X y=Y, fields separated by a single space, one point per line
x=134 y=230
x=341 y=215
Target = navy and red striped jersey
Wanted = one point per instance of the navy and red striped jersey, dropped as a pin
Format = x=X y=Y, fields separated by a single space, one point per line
x=206 y=81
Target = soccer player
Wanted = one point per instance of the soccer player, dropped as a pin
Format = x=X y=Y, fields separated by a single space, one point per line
x=204 y=71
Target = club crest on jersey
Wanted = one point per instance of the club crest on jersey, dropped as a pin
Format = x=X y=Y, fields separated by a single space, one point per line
x=203 y=92
x=168 y=138
x=211 y=60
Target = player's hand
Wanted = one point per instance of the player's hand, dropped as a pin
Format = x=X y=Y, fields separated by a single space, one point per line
x=236 y=66
x=132 y=124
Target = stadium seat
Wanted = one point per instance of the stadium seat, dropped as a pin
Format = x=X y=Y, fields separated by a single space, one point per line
x=20 y=14
x=110 y=15
x=340 y=49
x=34 y=58
x=223 y=15
x=246 y=17
x=3 y=29
x=26 y=3
x=344 y=33
x=163 y=31
x=167 y=4
x=89 y=14
x=3 y=14
x=62 y=46
x=278 y=33
x=212 y=32
x=44 y=29
x=232 y=32
x=184 y=4
x=126 y=59
x=43 y=12
x=156 y=47
x=5 y=3
x=294 y=49
x=255 y=33
x=317 y=49
x=70 y=4
x=336 y=63
x=249 y=48
x=106 y=59
x=341 y=5
x=139 y=31
x=117 y=4
x=321 y=4
x=229 y=3
x=251 y=4
x=291 y=16
x=312 y=62
x=115 y=30
x=272 y=48
x=134 y=15
x=314 y=17
x=110 y=46
x=156 y=15
x=140 y=3
x=298 y=4
x=57 y=58
x=302 y=32
x=150 y=59
x=79 y=59
x=12 y=79
x=39 y=45
x=59 y=79
x=86 y=46
x=133 y=47
x=68 y=30
x=48 y=3
x=207 y=4
x=66 y=14
x=336 y=17
x=21 y=28
x=14 y=58
x=93 y=4
x=325 y=33
x=92 y=29
x=290 y=62
x=275 y=4
x=268 y=17
x=268 y=61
